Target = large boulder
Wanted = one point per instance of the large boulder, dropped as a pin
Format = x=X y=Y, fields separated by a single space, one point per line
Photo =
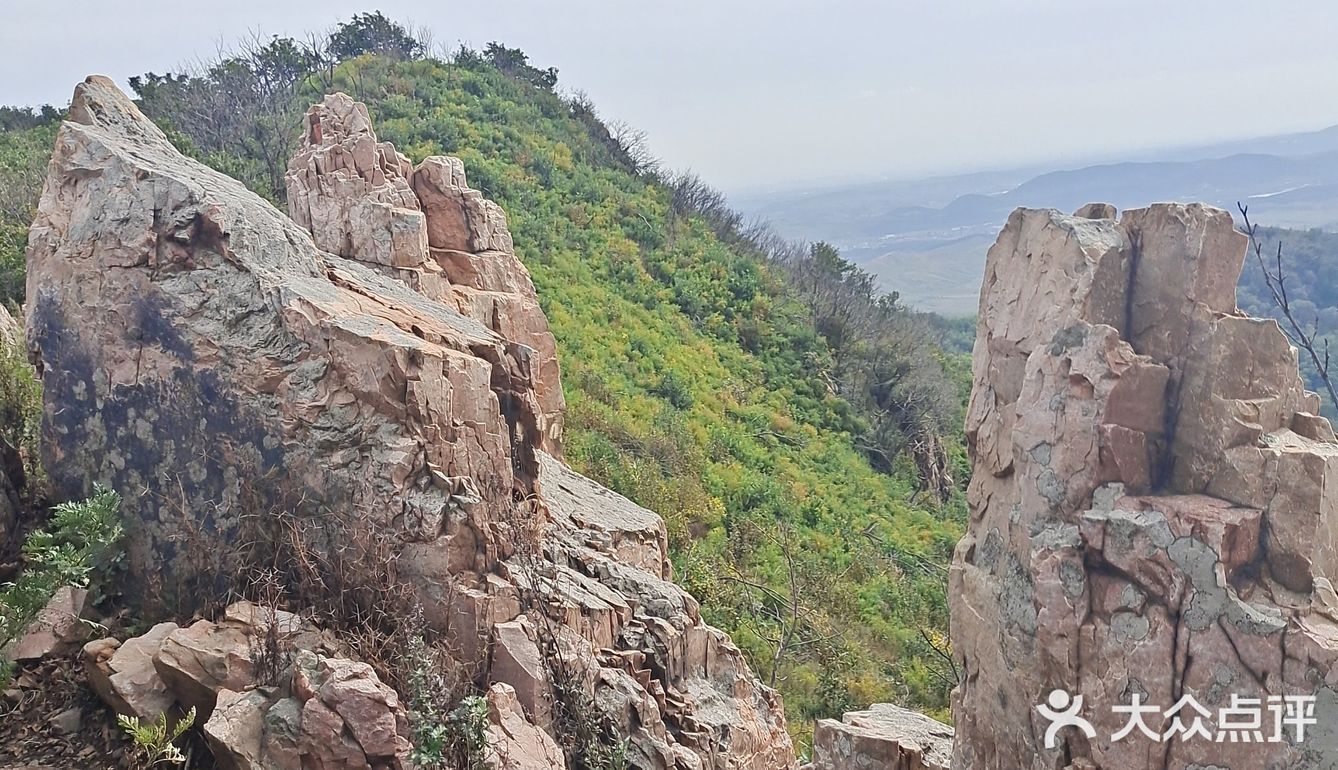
x=1148 y=506
x=514 y=743
x=202 y=355
x=123 y=674
x=884 y=736
x=58 y=628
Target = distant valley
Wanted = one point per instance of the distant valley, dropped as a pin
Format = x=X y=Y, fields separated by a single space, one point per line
x=926 y=239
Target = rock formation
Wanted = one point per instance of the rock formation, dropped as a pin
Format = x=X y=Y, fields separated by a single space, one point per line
x=382 y=354
x=363 y=200
x=315 y=709
x=1151 y=516
x=885 y=737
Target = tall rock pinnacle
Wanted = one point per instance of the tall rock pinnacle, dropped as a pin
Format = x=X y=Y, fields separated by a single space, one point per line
x=1152 y=513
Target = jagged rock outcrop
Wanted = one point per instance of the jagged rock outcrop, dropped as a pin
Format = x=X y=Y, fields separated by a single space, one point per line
x=362 y=199
x=203 y=356
x=268 y=689
x=885 y=737
x=515 y=743
x=1151 y=513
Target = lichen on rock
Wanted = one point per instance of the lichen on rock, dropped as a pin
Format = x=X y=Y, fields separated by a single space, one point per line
x=1147 y=505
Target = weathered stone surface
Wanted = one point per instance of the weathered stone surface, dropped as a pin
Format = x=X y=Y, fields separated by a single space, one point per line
x=171 y=311
x=235 y=729
x=357 y=195
x=1150 y=499
x=513 y=742
x=123 y=674
x=350 y=191
x=197 y=661
x=518 y=662
x=320 y=712
x=884 y=737
x=328 y=714
x=57 y=629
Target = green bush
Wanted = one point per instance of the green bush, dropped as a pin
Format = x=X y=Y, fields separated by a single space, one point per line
x=155 y=742
x=80 y=547
x=20 y=404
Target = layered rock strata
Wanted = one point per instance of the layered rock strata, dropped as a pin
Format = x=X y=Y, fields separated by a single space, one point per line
x=381 y=354
x=1151 y=516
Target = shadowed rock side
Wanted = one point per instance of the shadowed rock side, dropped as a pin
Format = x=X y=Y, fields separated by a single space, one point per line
x=1150 y=512
x=381 y=353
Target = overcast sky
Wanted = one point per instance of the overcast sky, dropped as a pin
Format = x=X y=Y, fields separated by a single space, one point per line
x=779 y=93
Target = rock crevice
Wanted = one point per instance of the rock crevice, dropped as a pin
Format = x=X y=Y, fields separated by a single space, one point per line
x=1149 y=505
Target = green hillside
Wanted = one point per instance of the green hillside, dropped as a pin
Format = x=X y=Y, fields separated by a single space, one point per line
x=1309 y=272
x=785 y=441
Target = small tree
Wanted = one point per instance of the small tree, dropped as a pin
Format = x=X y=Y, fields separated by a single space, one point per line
x=373 y=33
x=514 y=62
x=1307 y=337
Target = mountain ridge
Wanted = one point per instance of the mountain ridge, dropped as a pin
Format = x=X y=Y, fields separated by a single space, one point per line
x=930 y=249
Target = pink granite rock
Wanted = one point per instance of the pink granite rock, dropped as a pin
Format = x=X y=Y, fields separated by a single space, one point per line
x=339 y=361
x=1149 y=503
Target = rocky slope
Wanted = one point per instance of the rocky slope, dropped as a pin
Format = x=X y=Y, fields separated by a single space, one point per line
x=382 y=354
x=1151 y=512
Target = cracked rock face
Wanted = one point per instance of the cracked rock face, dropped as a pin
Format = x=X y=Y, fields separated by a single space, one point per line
x=362 y=199
x=1150 y=507
x=381 y=353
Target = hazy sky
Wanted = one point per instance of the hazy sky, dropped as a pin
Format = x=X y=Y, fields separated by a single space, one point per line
x=778 y=93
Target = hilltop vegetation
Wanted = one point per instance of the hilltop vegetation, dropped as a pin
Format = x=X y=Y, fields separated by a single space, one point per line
x=797 y=431
x=1310 y=279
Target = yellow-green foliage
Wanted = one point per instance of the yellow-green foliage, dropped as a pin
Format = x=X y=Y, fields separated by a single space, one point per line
x=23 y=155
x=78 y=547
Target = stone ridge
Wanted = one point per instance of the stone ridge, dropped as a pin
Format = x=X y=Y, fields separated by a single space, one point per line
x=202 y=355
x=362 y=199
x=1150 y=510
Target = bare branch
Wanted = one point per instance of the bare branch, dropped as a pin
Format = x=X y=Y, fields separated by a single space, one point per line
x=1276 y=281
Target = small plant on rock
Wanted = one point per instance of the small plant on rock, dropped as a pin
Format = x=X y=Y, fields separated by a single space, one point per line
x=449 y=731
x=78 y=547
x=467 y=733
x=155 y=742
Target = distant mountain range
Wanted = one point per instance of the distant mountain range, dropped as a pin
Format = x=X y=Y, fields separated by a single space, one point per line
x=927 y=238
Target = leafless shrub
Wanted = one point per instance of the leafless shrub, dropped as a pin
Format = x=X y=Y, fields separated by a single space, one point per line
x=1305 y=336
